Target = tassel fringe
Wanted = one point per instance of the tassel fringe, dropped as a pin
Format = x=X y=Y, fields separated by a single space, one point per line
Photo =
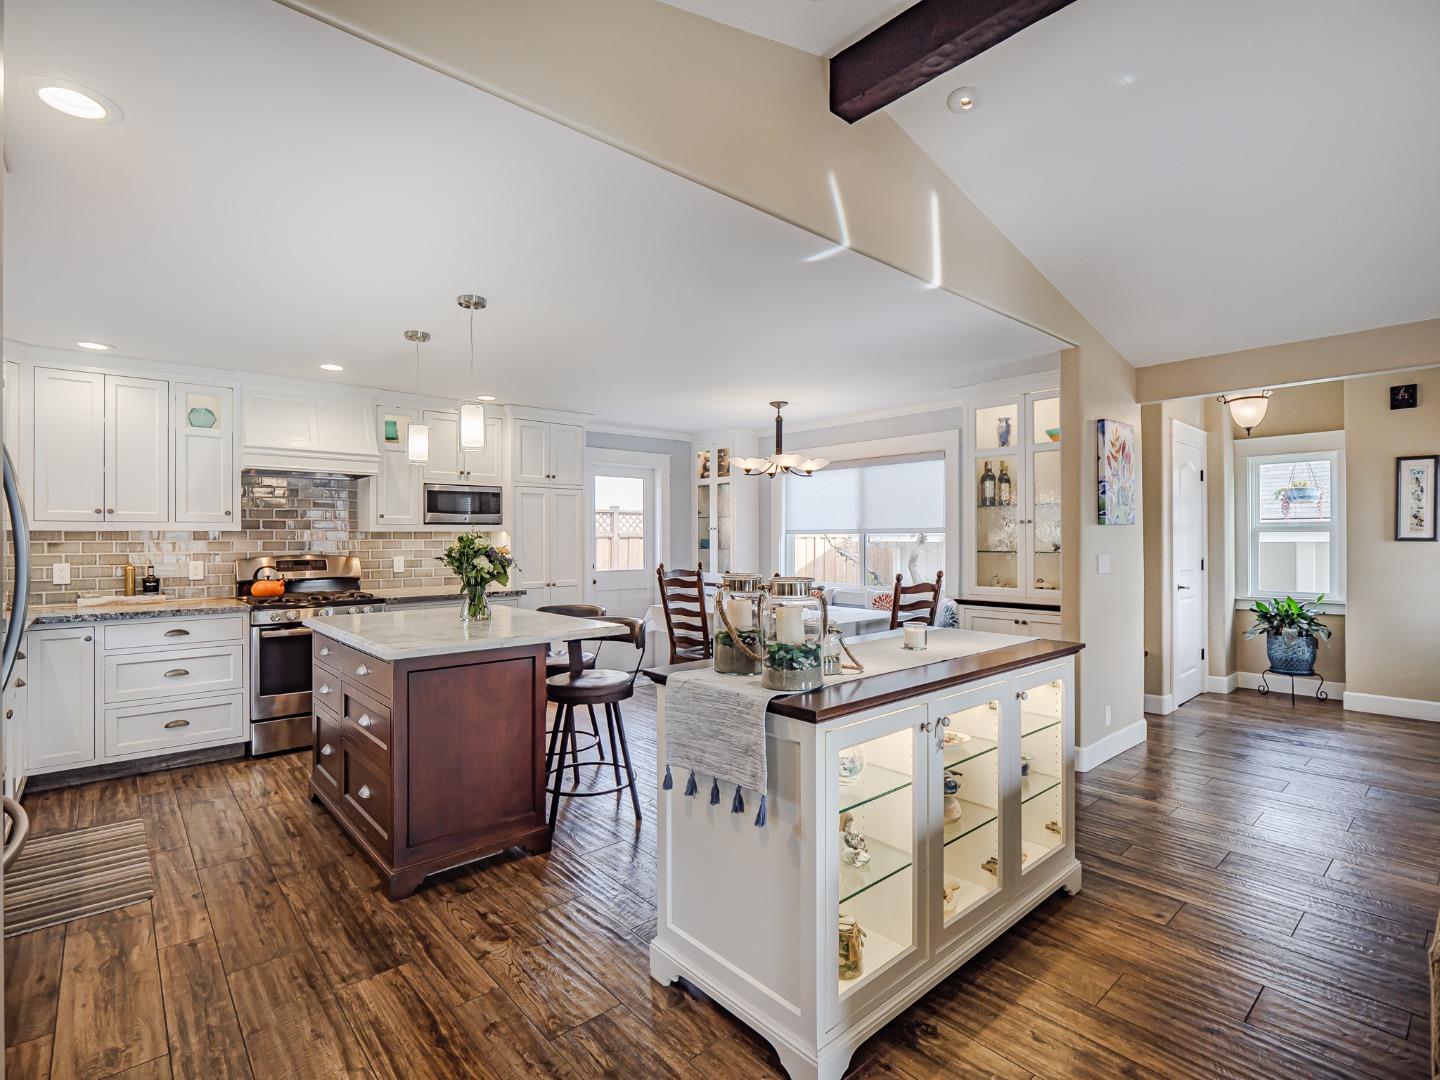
x=760 y=817
x=715 y=792
x=738 y=805
x=690 y=784
x=668 y=784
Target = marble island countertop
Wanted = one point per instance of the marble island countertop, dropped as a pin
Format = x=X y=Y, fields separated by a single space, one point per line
x=121 y=611
x=402 y=596
x=405 y=635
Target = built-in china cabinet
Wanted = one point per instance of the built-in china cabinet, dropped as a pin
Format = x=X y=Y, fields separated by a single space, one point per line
x=1012 y=517
x=726 y=505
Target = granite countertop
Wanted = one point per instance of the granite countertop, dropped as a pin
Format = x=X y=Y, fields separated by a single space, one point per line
x=406 y=635
x=62 y=614
x=415 y=596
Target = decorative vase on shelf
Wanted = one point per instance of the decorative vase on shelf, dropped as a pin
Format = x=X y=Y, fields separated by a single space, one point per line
x=474 y=606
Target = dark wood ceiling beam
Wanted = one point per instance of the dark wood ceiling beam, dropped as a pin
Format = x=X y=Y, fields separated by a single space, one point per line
x=920 y=43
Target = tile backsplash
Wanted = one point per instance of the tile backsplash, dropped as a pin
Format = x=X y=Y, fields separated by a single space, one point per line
x=280 y=512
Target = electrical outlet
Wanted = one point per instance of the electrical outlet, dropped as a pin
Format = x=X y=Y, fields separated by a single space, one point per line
x=1107 y=715
x=60 y=573
x=398 y=564
x=197 y=571
x=1102 y=564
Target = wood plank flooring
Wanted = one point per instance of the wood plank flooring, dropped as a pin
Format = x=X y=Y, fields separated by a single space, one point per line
x=1260 y=886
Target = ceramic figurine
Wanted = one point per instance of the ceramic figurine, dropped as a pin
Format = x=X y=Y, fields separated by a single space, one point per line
x=853 y=850
x=952 y=808
x=952 y=783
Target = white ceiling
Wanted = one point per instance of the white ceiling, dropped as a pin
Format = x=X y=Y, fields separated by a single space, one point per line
x=1205 y=177
x=280 y=194
x=823 y=27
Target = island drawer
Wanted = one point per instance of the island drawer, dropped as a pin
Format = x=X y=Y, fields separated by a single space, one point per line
x=367 y=720
x=173 y=633
x=327 y=689
x=327 y=752
x=365 y=789
x=326 y=653
x=365 y=671
x=163 y=674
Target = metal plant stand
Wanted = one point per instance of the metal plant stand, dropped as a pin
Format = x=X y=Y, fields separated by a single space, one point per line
x=1320 y=694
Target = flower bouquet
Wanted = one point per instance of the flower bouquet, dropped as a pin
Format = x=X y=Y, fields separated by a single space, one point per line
x=478 y=563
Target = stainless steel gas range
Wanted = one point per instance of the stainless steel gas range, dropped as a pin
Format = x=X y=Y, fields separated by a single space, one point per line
x=280 y=675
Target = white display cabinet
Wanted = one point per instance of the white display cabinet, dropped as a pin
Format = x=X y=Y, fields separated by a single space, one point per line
x=756 y=917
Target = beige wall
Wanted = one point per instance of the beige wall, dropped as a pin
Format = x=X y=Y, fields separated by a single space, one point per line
x=1387 y=348
x=1329 y=661
x=750 y=118
x=1393 y=587
x=1220 y=534
x=1297 y=410
x=1157 y=425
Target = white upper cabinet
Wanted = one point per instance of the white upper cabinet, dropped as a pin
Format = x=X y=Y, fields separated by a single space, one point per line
x=137 y=450
x=567 y=538
x=484 y=466
x=203 y=420
x=548 y=454
x=69 y=430
x=288 y=429
x=444 y=466
x=394 y=495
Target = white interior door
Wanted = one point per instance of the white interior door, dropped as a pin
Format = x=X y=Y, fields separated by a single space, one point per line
x=622 y=538
x=1187 y=561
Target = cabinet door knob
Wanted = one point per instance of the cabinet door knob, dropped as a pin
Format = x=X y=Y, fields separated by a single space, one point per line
x=365 y=720
x=177 y=632
x=20 y=655
x=181 y=722
x=1023 y=695
x=88 y=637
x=109 y=509
x=364 y=791
x=324 y=688
x=227 y=513
x=326 y=750
x=176 y=673
x=18 y=684
x=382 y=517
x=99 y=510
x=362 y=670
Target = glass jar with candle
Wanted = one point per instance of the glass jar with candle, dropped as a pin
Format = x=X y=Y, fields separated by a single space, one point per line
x=792 y=626
x=739 y=646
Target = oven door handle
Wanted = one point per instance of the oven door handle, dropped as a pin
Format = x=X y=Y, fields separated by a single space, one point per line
x=289 y=631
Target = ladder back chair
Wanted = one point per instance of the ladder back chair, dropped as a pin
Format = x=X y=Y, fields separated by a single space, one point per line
x=682 y=596
x=925 y=605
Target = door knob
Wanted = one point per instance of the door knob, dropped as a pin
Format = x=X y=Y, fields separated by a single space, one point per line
x=324 y=688
x=18 y=684
x=324 y=650
x=99 y=510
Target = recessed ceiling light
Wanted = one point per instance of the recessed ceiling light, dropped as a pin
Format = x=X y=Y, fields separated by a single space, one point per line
x=962 y=99
x=95 y=346
x=331 y=367
x=484 y=397
x=74 y=100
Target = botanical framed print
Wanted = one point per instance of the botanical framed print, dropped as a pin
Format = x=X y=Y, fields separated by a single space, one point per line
x=1415 y=497
x=1116 y=472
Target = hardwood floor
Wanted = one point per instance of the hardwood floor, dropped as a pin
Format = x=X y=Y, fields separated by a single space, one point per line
x=1260 y=886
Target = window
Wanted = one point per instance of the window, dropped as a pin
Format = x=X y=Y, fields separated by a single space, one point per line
x=861 y=523
x=619 y=523
x=1292 y=515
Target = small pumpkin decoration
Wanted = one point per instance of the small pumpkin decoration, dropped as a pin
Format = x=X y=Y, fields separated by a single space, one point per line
x=271 y=584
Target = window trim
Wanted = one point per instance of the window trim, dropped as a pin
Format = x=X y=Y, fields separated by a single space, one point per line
x=1249 y=454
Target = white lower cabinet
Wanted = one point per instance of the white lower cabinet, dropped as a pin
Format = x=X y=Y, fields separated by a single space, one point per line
x=960 y=802
x=16 y=709
x=129 y=689
x=1025 y=622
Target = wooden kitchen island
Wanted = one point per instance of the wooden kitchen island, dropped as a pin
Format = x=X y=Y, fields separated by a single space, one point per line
x=429 y=733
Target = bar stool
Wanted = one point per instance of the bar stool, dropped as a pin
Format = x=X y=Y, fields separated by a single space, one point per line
x=557 y=661
x=591 y=688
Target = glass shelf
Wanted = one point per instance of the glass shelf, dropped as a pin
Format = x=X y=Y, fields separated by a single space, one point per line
x=1035 y=785
x=875 y=782
x=885 y=862
x=1034 y=723
x=973 y=816
x=959 y=753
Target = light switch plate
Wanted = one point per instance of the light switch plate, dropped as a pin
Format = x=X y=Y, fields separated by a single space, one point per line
x=197 y=571
x=60 y=573
x=1102 y=564
x=398 y=564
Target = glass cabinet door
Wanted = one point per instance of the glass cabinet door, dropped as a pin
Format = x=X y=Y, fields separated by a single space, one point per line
x=703 y=534
x=997 y=497
x=1043 y=824
x=873 y=846
x=966 y=801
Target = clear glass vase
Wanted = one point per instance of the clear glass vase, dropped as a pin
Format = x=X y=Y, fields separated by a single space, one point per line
x=474 y=607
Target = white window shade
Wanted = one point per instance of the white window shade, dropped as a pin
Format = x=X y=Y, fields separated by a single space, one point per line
x=877 y=496
x=829 y=501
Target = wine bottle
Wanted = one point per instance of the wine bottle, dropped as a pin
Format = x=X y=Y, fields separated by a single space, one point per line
x=1005 y=491
x=987 y=486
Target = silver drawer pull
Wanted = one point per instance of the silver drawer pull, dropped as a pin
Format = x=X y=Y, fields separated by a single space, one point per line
x=324 y=650
x=17 y=684
x=324 y=688
x=177 y=632
x=365 y=720
x=326 y=750
x=364 y=791
x=362 y=670
x=182 y=722
x=176 y=672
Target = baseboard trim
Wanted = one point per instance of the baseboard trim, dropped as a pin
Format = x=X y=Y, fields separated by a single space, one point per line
x=1410 y=708
x=1160 y=704
x=1280 y=684
x=1112 y=745
x=1222 y=684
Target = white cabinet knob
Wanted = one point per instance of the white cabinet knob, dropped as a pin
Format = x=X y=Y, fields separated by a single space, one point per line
x=326 y=750
x=364 y=791
x=362 y=670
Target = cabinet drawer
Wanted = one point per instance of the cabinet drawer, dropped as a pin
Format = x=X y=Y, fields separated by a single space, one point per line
x=327 y=753
x=138 y=676
x=326 y=688
x=173 y=633
x=365 y=790
x=367 y=720
x=364 y=671
x=150 y=729
x=326 y=653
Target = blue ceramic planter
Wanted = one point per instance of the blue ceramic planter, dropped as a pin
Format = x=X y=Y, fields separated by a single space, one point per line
x=1291 y=657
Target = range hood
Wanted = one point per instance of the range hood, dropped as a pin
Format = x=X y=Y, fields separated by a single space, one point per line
x=288 y=432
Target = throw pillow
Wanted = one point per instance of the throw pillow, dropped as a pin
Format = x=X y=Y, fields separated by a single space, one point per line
x=883 y=601
x=949 y=616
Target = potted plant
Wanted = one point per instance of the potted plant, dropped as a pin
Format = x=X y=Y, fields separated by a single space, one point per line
x=477 y=563
x=1293 y=632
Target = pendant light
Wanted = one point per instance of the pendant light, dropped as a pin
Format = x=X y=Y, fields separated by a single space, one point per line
x=417 y=446
x=781 y=462
x=1247 y=410
x=472 y=413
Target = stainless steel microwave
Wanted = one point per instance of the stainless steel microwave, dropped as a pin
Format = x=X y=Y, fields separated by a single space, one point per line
x=463 y=504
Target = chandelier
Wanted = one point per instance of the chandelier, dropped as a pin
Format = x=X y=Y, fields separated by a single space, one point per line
x=780 y=462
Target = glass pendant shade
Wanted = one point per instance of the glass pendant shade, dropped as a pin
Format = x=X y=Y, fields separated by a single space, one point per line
x=417 y=447
x=1247 y=411
x=472 y=426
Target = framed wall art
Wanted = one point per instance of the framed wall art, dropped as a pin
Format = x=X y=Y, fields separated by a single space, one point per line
x=1116 y=472
x=1415 y=497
